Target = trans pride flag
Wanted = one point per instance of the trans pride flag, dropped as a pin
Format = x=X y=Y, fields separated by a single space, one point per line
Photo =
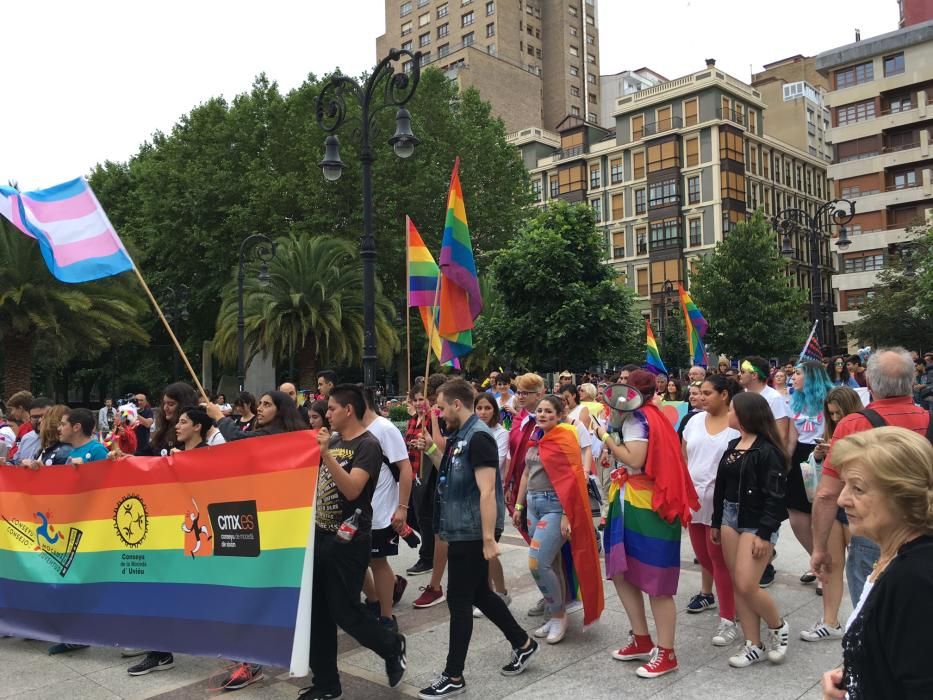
x=206 y=552
x=76 y=238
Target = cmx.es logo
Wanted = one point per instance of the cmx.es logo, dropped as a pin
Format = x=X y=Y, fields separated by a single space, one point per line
x=236 y=529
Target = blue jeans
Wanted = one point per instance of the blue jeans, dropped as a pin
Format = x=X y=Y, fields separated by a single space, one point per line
x=544 y=514
x=730 y=518
x=862 y=555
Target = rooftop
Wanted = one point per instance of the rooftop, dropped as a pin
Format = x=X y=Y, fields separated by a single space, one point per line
x=867 y=48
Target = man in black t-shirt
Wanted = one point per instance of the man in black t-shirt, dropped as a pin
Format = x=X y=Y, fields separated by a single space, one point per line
x=350 y=465
x=144 y=423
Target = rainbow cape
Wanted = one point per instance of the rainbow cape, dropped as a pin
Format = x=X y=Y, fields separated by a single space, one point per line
x=460 y=298
x=423 y=275
x=695 y=326
x=205 y=552
x=559 y=451
x=653 y=361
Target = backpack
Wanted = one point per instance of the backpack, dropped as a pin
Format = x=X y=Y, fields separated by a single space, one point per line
x=877 y=421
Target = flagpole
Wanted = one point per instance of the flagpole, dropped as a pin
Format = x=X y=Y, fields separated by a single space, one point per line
x=434 y=320
x=171 y=333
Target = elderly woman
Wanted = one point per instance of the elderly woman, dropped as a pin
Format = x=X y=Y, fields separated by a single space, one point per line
x=888 y=498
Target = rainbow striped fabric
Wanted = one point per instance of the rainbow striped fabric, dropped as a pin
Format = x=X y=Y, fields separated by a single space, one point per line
x=76 y=238
x=653 y=361
x=695 y=326
x=204 y=552
x=638 y=542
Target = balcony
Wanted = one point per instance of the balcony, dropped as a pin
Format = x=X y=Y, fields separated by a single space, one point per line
x=659 y=127
x=731 y=115
x=566 y=153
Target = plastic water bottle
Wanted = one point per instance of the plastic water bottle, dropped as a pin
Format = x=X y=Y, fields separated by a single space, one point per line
x=349 y=527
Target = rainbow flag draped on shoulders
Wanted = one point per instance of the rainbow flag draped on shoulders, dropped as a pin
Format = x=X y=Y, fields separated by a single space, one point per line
x=653 y=361
x=695 y=326
x=559 y=450
x=206 y=552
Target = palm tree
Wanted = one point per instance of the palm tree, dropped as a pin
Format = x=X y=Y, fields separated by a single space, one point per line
x=65 y=321
x=312 y=307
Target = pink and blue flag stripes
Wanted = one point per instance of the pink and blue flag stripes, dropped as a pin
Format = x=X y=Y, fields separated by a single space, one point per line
x=76 y=238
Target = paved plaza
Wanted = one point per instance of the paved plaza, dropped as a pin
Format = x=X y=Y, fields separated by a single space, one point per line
x=580 y=666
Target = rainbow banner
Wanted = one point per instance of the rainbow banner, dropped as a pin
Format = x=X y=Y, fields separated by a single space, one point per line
x=653 y=361
x=695 y=326
x=205 y=552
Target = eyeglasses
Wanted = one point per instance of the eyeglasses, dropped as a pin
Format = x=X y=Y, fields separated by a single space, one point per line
x=35 y=419
x=522 y=392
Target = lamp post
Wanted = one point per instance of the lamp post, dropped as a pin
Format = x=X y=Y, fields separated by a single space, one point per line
x=176 y=310
x=262 y=248
x=384 y=89
x=814 y=229
x=667 y=288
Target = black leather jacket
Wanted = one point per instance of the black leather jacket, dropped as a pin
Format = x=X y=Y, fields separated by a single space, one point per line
x=762 y=488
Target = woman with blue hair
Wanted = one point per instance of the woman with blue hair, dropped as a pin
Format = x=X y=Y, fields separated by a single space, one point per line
x=807 y=424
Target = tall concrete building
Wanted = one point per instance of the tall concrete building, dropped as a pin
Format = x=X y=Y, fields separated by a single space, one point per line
x=614 y=86
x=534 y=61
x=682 y=163
x=882 y=116
x=795 y=94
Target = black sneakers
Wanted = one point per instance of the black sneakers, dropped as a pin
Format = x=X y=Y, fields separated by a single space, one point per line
x=420 y=567
x=520 y=659
x=443 y=687
x=315 y=693
x=767 y=577
x=154 y=661
x=396 y=665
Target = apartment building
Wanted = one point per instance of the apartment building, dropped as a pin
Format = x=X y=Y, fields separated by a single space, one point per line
x=614 y=86
x=882 y=120
x=686 y=160
x=534 y=61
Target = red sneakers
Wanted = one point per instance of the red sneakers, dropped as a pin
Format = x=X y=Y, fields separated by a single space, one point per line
x=430 y=597
x=639 y=648
x=662 y=661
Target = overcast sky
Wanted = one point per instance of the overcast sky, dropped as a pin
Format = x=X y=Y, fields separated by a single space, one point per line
x=87 y=82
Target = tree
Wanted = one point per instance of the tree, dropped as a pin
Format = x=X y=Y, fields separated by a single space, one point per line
x=559 y=304
x=62 y=321
x=900 y=312
x=745 y=295
x=673 y=342
x=312 y=307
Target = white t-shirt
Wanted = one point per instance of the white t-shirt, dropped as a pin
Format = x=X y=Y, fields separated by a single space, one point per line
x=866 y=590
x=216 y=439
x=776 y=402
x=502 y=442
x=8 y=436
x=809 y=428
x=385 y=496
x=703 y=454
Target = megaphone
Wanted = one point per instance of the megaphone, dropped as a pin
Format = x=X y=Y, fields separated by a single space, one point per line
x=621 y=399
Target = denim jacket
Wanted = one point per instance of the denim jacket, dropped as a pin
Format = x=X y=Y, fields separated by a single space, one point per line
x=457 y=510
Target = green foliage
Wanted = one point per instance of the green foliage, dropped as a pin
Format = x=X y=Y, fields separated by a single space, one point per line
x=399 y=413
x=901 y=310
x=673 y=341
x=313 y=307
x=557 y=304
x=746 y=297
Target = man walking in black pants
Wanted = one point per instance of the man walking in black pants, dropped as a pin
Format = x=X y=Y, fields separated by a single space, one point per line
x=468 y=515
x=350 y=465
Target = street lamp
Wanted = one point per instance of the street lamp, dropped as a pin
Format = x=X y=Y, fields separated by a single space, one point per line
x=383 y=90
x=667 y=289
x=814 y=228
x=262 y=248
x=176 y=310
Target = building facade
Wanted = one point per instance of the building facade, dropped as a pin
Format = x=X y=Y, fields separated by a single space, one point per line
x=687 y=160
x=534 y=61
x=882 y=117
x=614 y=86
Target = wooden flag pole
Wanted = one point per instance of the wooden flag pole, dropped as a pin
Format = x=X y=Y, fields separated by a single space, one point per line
x=171 y=333
x=427 y=361
x=408 y=302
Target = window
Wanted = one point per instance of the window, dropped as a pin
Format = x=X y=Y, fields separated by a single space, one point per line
x=597 y=207
x=641 y=281
x=663 y=193
x=574 y=110
x=406 y=66
x=442 y=11
x=491 y=49
x=594 y=176
x=555 y=188
x=693 y=189
x=692 y=148
x=424 y=19
x=591 y=78
x=405 y=9
x=753 y=121
x=899 y=104
x=855 y=112
x=662 y=156
x=590 y=20
x=443 y=30
x=691 y=112
x=573 y=31
x=904 y=179
x=893 y=65
x=695 y=231
x=615 y=171
x=572 y=10
x=424 y=39
x=590 y=58
x=869 y=261
x=574 y=71
x=443 y=50
x=538 y=53
x=638 y=126
x=422 y=3
x=618 y=244
x=490 y=8
x=574 y=91
x=590 y=39
x=618 y=206
x=638 y=165
x=665 y=233
x=855 y=75
x=753 y=159
x=571 y=179
x=467 y=19
x=733 y=186
x=531 y=30
x=641 y=242
x=425 y=58
x=406 y=46
x=468 y=39
x=640 y=201
x=731 y=146
x=491 y=29
x=406 y=28
x=594 y=98
x=663 y=119
x=574 y=51
x=729 y=219
x=536 y=189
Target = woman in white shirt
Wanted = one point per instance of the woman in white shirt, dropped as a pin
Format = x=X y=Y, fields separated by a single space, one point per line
x=705 y=438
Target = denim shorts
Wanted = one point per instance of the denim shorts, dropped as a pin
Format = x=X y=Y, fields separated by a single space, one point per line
x=730 y=518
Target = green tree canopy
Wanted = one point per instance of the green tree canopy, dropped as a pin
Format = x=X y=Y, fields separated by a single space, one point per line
x=557 y=303
x=746 y=296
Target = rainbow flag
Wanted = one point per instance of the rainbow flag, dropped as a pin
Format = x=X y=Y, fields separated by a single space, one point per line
x=205 y=552
x=695 y=326
x=653 y=361
x=460 y=299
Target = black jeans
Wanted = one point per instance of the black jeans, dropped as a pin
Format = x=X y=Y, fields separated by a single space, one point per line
x=423 y=498
x=468 y=585
x=335 y=601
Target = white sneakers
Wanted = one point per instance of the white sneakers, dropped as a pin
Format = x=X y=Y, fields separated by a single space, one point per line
x=752 y=653
x=727 y=633
x=748 y=655
x=506 y=598
x=553 y=630
x=821 y=631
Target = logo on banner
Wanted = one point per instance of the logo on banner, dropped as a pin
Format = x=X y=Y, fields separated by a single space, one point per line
x=196 y=534
x=236 y=528
x=57 y=547
x=131 y=520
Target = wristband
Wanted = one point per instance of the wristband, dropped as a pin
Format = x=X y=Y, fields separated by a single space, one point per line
x=432 y=449
x=519 y=507
x=606 y=437
x=402 y=506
